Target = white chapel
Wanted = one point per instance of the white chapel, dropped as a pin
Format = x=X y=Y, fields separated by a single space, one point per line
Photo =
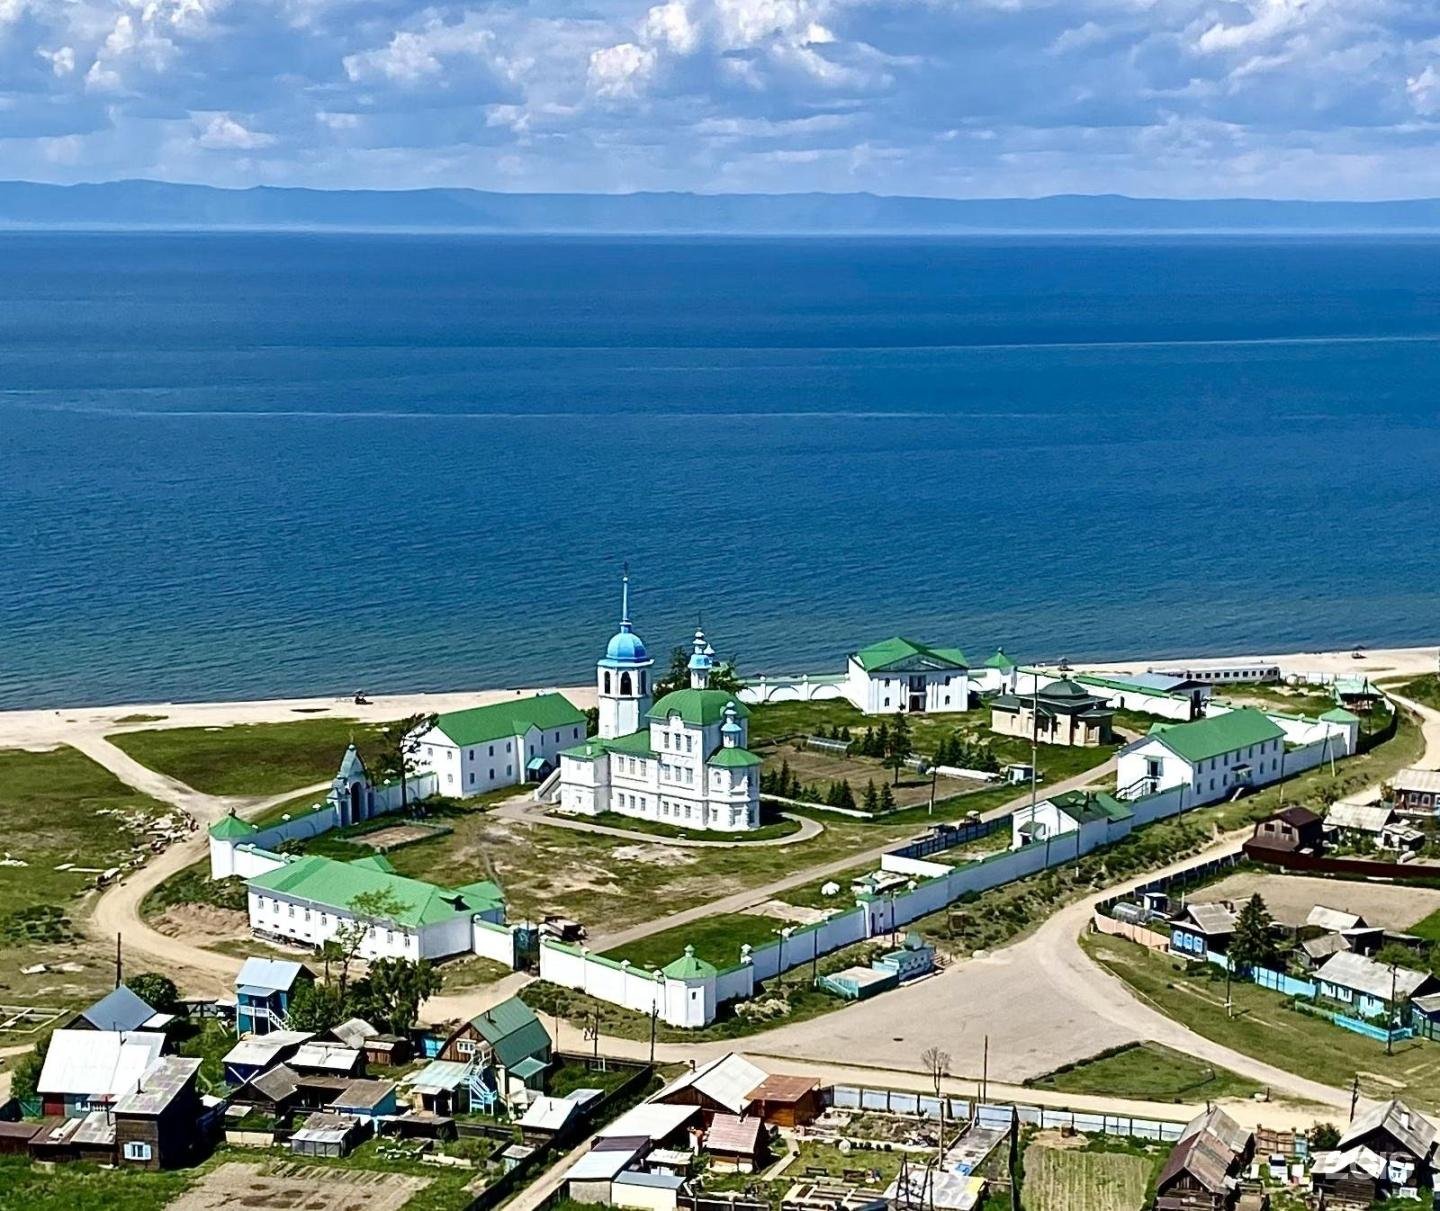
x=680 y=761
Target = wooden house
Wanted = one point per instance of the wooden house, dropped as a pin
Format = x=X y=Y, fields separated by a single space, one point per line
x=787 y=1101
x=1202 y=1172
x=723 y=1086
x=736 y=1145
x=507 y=1042
x=1403 y=1139
x=156 y=1125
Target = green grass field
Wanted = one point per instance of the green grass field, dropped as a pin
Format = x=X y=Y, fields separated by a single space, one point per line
x=716 y=939
x=767 y=831
x=1427 y=928
x=60 y=807
x=1082 y=1179
x=84 y=1187
x=1149 y=1071
x=1265 y=1028
x=1424 y=689
x=248 y=759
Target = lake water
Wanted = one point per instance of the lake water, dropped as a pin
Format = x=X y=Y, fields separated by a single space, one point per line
x=240 y=465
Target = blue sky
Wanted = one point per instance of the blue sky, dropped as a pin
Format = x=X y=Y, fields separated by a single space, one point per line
x=1200 y=98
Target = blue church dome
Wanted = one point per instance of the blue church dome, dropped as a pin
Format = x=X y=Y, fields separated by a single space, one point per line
x=626 y=645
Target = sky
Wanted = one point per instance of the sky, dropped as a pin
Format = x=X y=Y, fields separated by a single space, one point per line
x=956 y=98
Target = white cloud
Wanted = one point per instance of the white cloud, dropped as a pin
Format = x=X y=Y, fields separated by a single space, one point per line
x=620 y=70
x=413 y=56
x=670 y=26
x=62 y=60
x=225 y=133
x=1424 y=91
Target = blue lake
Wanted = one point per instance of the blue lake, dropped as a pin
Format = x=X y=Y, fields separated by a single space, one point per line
x=241 y=465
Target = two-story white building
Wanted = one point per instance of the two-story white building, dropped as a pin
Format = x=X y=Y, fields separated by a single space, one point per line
x=898 y=675
x=682 y=761
x=1212 y=757
x=488 y=747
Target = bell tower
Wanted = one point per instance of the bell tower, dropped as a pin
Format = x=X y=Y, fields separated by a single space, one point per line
x=622 y=675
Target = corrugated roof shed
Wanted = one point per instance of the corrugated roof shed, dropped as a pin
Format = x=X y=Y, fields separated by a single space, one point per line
x=1411 y=1130
x=100 y=1064
x=727 y=1080
x=733 y=1136
x=159 y=1086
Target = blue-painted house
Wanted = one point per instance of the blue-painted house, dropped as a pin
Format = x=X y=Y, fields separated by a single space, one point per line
x=263 y=991
x=1202 y=930
x=1367 y=989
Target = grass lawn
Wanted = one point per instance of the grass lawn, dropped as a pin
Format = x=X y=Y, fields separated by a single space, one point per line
x=248 y=759
x=880 y=1167
x=1085 y=1179
x=470 y=971
x=1428 y=928
x=209 y=1041
x=1424 y=689
x=193 y=885
x=1299 y=700
x=716 y=939
x=1148 y=1071
x=85 y=1187
x=771 y=720
x=1265 y=1028
x=571 y=1075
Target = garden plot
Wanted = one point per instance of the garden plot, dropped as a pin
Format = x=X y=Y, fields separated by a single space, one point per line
x=1068 y=1178
x=293 y=1187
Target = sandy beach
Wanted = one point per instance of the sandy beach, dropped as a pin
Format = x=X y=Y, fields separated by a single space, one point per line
x=45 y=728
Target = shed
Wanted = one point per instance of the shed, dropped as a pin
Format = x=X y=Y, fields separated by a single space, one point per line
x=736 y=1145
x=441 y=1086
x=589 y=1179
x=720 y=1087
x=327 y=1135
x=646 y=1191
x=654 y=1123
x=547 y=1116
x=155 y=1126
x=331 y=1059
x=787 y=1101
x=364 y=1099
x=15 y=1137
x=252 y=1056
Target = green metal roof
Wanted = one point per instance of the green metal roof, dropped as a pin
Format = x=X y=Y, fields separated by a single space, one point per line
x=501 y=720
x=1340 y=715
x=700 y=708
x=689 y=967
x=513 y=1030
x=335 y=884
x=231 y=827
x=636 y=744
x=1084 y=806
x=733 y=758
x=897 y=651
x=1000 y=661
x=1217 y=734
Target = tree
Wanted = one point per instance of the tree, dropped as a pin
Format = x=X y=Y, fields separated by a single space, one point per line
x=1324 y=1137
x=25 y=1078
x=315 y=1007
x=398 y=987
x=592 y=721
x=1252 y=944
x=368 y=908
x=847 y=796
x=1396 y=954
x=156 y=990
x=677 y=676
x=937 y=1064
x=399 y=742
x=887 y=798
x=872 y=801
x=898 y=746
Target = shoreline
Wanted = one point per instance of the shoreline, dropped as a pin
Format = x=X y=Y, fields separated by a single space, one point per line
x=46 y=726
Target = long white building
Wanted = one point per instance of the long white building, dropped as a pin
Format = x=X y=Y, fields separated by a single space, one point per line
x=1213 y=758
x=899 y=675
x=680 y=761
x=485 y=748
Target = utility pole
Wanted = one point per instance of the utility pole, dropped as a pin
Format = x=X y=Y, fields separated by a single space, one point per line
x=985 y=1070
x=1390 y=1013
x=934 y=774
x=1354 y=1096
x=1229 y=1006
x=119 y=966
x=654 y=1017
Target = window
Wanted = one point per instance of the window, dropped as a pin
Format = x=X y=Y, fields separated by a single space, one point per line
x=625 y=684
x=607 y=681
x=492 y=773
x=509 y=771
x=507 y=746
x=492 y=753
x=137 y=1151
x=689 y=744
x=307 y=914
x=291 y=910
x=642 y=681
x=472 y=777
x=465 y=1046
x=576 y=732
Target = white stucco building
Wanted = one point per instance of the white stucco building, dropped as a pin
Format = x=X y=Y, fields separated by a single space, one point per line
x=488 y=747
x=898 y=675
x=1212 y=758
x=680 y=761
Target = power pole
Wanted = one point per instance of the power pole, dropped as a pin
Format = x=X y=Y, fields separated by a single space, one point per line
x=119 y=966
x=1354 y=1096
x=984 y=1072
x=654 y=1017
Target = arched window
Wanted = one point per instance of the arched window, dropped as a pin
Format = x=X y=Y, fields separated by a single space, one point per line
x=625 y=683
x=642 y=681
x=607 y=681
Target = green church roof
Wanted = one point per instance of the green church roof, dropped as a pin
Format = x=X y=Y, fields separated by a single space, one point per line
x=1217 y=734
x=501 y=720
x=1000 y=661
x=899 y=652
x=688 y=967
x=733 y=758
x=337 y=884
x=635 y=744
x=231 y=826
x=1340 y=715
x=699 y=708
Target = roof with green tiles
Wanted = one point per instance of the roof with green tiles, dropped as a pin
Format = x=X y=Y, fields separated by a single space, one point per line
x=334 y=884
x=513 y=1030
x=1085 y=806
x=231 y=827
x=1000 y=661
x=899 y=654
x=1217 y=734
x=689 y=967
x=500 y=720
x=700 y=708
x=733 y=758
x=1340 y=715
x=635 y=744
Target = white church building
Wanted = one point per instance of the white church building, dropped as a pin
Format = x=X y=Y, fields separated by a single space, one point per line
x=680 y=761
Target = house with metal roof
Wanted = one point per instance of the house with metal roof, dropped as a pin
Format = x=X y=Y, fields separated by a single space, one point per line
x=88 y=1069
x=155 y=1123
x=120 y=1009
x=900 y=676
x=1089 y=815
x=722 y=1086
x=484 y=748
x=1212 y=758
x=1417 y=791
x=1204 y=1170
x=1203 y=929
x=1059 y=712
x=308 y=898
x=1367 y=989
x=509 y=1048
x=1403 y=1139
x=263 y=991
x=682 y=761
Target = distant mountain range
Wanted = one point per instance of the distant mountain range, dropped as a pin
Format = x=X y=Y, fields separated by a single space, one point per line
x=158 y=204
